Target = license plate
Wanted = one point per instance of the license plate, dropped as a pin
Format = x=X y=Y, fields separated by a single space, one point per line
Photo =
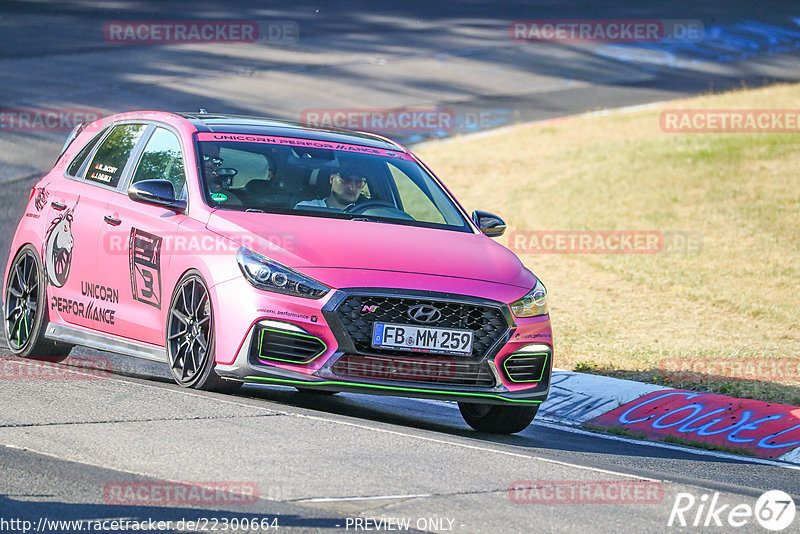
x=421 y=338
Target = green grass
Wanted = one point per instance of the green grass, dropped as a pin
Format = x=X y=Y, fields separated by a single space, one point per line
x=708 y=446
x=736 y=298
x=616 y=430
x=676 y=440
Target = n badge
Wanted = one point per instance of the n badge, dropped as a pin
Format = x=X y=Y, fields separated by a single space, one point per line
x=145 y=263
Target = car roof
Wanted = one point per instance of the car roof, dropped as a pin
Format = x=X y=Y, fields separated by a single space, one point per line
x=219 y=123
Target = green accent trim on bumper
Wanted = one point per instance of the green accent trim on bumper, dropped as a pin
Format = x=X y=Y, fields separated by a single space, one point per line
x=264 y=330
x=390 y=388
x=523 y=354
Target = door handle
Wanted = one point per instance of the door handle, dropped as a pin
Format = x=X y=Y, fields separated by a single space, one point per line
x=112 y=221
x=58 y=206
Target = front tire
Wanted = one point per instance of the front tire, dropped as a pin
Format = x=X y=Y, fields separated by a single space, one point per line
x=25 y=310
x=190 y=337
x=497 y=418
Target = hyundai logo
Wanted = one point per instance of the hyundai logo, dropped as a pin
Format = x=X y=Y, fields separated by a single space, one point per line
x=424 y=313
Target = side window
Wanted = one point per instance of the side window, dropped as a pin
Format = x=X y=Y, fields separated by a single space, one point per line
x=109 y=160
x=75 y=167
x=162 y=159
x=415 y=202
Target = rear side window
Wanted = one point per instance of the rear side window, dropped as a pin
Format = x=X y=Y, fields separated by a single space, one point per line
x=77 y=163
x=109 y=160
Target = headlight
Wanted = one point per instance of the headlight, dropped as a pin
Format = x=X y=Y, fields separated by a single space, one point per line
x=532 y=304
x=269 y=275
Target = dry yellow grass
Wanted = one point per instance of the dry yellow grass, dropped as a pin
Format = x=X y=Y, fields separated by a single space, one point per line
x=739 y=297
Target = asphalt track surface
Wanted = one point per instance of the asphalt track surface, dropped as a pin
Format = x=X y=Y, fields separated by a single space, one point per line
x=319 y=463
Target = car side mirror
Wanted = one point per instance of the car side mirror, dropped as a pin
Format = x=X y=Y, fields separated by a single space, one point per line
x=156 y=193
x=490 y=224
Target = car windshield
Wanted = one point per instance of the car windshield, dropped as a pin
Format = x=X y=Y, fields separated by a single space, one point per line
x=321 y=179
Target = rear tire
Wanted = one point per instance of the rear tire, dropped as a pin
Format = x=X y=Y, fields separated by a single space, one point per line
x=25 y=310
x=190 y=337
x=497 y=418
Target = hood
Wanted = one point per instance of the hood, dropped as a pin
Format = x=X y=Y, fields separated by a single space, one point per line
x=315 y=245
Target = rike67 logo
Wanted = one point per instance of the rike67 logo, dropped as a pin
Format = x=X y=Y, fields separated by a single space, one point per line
x=774 y=510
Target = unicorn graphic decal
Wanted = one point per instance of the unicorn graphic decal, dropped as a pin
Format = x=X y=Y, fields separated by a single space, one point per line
x=58 y=247
x=41 y=197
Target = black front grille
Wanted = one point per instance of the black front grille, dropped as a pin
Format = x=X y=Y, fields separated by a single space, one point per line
x=357 y=313
x=525 y=367
x=441 y=370
x=277 y=345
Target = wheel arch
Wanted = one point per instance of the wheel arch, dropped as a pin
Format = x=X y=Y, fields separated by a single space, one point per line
x=21 y=240
x=214 y=269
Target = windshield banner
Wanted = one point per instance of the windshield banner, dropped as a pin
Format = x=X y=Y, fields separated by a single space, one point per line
x=305 y=143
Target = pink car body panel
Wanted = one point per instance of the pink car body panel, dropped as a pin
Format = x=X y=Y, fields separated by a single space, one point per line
x=336 y=252
x=310 y=242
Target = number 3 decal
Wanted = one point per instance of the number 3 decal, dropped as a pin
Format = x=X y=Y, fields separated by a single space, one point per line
x=145 y=263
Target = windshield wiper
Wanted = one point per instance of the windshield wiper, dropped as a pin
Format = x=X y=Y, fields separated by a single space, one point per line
x=380 y=221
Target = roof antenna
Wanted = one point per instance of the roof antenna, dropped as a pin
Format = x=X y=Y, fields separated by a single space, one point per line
x=201 y=110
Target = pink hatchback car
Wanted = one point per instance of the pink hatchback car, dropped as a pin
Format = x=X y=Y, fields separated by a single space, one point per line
x=239 y=249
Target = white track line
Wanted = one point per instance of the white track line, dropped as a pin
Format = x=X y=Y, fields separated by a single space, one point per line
x=373 y=498
x=564 y=428
x=546 y=423
x=395 y=433
x=663 y=445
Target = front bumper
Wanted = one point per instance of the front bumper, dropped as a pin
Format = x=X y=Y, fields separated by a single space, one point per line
x=490 y=376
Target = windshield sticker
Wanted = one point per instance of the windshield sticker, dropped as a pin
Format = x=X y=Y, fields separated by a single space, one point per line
x=308 y=143
x=219 y=197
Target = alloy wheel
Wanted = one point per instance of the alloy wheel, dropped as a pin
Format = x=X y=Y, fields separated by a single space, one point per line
x=22 y=300
x=189 y=330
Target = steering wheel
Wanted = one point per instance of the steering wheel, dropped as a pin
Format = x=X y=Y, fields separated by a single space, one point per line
x=380 y=208
x=368 y=204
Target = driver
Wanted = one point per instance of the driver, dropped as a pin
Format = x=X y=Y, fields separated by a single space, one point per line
x=346 y=186
x=211 y=162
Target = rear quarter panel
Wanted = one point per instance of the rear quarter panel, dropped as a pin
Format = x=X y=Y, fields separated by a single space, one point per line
x=33 y=224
